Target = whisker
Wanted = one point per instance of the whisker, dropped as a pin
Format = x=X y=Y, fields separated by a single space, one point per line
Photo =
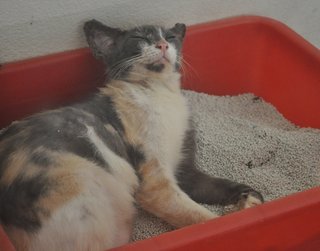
x=126 y=60
x=188 y=73
x=116 y=70
x=185 y=62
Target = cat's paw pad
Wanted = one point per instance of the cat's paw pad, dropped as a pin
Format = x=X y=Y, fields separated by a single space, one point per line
x=250 y=199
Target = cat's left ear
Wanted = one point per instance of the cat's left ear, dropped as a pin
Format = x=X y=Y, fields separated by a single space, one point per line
x=179 y=30
x=101 y=38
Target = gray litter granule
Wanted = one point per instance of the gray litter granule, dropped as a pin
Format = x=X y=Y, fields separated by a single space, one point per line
x=244 y=138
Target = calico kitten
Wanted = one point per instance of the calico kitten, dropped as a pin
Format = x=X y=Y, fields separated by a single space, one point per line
x=69 y=178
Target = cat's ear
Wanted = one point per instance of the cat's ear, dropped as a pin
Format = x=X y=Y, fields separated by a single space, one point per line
x=179 y=30
x=101 y=38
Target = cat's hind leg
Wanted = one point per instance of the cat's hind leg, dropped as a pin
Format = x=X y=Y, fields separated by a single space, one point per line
x=86 y=208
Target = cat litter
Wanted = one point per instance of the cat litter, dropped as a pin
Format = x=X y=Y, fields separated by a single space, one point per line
x=246 y=139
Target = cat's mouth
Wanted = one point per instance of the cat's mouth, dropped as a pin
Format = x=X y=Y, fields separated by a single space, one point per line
x=162 y=59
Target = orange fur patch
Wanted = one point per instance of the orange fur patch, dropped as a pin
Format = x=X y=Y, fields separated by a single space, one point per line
x=18 y=165
x=66 y=183
x=132 y=117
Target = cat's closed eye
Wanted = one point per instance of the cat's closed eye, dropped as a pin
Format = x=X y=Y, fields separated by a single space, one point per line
x=170 y=38
x=140 y=38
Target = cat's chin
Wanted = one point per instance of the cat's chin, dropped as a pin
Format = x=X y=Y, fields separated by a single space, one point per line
x=156 y=67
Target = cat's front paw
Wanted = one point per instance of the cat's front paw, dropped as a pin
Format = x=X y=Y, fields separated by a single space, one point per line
x=250 y=199
x=245 y=199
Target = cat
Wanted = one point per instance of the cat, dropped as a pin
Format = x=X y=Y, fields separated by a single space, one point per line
x=70 y=177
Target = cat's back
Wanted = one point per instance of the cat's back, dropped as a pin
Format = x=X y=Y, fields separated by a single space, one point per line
x=47 y=133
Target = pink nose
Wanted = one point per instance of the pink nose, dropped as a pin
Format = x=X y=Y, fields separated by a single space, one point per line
x=163 y=46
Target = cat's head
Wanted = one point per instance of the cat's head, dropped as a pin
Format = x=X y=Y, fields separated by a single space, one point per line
x=148 y=48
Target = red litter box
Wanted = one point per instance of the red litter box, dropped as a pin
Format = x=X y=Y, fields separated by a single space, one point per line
x=227 y=57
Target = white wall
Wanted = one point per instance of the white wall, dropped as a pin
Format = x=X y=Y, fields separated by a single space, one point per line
x=30 y=28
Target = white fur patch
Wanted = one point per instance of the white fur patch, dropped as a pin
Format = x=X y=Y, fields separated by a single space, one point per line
x=251 y=202
x=166 y=119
